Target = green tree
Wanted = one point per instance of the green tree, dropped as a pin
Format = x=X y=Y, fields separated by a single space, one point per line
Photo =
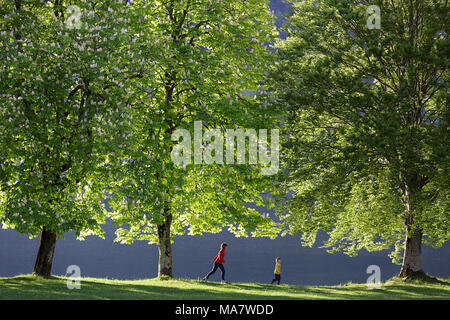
x=367 y=121
x=63 y=82
x=200 y=57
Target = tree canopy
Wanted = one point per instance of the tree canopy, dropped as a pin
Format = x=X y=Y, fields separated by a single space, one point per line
x=63 y=87
x=202 y=61
x=92 y=95
x=367 y=123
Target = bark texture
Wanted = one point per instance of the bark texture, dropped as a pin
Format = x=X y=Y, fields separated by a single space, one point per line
x=165 y=248
x=44 y=259
x=412 y=254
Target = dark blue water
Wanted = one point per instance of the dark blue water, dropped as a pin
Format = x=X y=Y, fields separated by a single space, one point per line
x=248 y=259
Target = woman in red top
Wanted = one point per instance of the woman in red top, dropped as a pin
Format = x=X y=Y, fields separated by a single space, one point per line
x=218 y=263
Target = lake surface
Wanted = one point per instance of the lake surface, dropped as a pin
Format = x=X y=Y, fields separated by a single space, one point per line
x=248 y=259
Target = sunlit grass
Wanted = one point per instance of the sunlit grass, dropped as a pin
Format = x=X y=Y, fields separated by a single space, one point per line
x=31 y=287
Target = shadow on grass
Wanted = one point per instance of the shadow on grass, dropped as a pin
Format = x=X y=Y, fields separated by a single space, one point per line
x=55 y=288
x=358 y=292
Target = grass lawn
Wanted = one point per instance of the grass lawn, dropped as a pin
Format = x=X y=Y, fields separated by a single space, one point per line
x=31 y=287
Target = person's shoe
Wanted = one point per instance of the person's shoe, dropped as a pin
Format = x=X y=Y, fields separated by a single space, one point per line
x=204 y=279
x=223 y=281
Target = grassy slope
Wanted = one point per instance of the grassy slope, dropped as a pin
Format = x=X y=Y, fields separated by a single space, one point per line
x=30 y=287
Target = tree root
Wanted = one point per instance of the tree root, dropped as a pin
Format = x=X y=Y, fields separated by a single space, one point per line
x=408 y=275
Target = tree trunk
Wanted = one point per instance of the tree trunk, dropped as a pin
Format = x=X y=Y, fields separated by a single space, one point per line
x=165 y=248
x=44 y=259
x=412 y=255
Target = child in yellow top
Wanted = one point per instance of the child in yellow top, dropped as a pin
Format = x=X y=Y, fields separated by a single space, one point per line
x=277 y=271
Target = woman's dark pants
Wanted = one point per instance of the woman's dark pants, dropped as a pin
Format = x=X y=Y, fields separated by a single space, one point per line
x=214 y=269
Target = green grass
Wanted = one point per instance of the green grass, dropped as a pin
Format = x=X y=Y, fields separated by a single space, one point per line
x=31 y=287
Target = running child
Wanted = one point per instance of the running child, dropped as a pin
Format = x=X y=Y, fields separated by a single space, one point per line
x=277 y=271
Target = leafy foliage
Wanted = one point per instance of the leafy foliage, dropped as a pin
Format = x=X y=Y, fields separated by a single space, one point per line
x=201 y=57
x=63 y=113
x=367 y=119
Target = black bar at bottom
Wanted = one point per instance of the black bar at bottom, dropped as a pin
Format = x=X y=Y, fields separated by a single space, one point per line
x=222 y=309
